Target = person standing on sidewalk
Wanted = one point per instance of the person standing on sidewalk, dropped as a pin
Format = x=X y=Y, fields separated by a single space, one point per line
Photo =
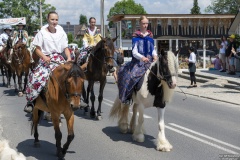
x=230 y=55
x=192 y=67
x=222 y=52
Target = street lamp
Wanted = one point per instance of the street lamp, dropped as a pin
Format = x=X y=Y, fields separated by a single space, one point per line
x=102 y=18
x=40 y=12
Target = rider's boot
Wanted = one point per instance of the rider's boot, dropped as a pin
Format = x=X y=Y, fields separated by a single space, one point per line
x=31 y=58
x=10 y=57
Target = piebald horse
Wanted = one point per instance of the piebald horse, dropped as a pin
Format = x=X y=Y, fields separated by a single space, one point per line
x=158 y=86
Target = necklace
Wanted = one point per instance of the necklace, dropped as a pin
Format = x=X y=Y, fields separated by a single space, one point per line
x=51 y=31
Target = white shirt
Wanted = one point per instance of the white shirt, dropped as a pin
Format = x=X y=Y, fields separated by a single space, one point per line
x=192 y=58
x=138 y=55
x=224 y=44
x=51 y=42
x=3 y=38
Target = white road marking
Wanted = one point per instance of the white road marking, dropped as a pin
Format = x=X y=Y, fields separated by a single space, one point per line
x=201 y=140
x=205 y=136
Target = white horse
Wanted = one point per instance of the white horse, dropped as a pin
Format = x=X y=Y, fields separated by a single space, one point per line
x=157 y=89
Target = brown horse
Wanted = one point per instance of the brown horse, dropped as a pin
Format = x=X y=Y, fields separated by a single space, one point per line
x=6 y=68
x=62 y=96
x=21 y=65
x=99 y=63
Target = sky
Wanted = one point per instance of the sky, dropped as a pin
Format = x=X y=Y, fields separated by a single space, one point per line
x=70 y=10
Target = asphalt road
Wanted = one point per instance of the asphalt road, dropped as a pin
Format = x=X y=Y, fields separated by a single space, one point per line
x=198 y=129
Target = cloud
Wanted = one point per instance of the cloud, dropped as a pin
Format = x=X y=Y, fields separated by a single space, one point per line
x=70 y=10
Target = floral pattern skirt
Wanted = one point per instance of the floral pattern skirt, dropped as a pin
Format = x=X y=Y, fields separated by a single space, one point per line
x=39 y=76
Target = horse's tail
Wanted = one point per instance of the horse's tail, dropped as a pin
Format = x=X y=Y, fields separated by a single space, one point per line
x=40 y=113
x=116 y=109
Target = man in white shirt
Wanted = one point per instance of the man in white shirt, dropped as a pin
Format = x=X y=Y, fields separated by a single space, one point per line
x=4 y=37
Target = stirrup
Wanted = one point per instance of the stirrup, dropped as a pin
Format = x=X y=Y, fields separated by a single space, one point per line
x=9 y=61
x=31 y=61
x=29 y=107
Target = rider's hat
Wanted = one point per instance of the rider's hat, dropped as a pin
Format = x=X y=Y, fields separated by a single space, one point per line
x=7 y=28
x=21 y=24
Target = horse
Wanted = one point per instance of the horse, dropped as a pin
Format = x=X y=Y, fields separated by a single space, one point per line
x=21 y=65
x=99 y=62
x=6 y=68
x=61 y=96
x=156 y=90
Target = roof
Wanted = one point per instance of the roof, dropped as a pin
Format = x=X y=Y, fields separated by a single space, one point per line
x=119 y=17
x=234 y=24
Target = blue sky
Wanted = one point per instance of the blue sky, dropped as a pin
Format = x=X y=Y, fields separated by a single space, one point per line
x=70 y=10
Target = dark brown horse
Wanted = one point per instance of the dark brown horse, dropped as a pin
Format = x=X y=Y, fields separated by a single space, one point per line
x=99 y=63
x=62 y=96
x=6 y=68
x=21 y=65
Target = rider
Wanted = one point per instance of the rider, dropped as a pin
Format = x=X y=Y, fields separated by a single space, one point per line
x=143 y=53
x=20 y=36
x=90 y=39
x=50 y=42
x=4 y=37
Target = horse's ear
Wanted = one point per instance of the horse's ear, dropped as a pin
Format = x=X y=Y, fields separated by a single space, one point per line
x=101 y=38
x=114 y=39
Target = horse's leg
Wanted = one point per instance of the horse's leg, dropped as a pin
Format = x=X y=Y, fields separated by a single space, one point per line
x=123 y=119
x=20 y=93
x=58 y=134
x=3 y=73
x=100 y=98
x=70 y=120
x=162 y=143
x=138 y=132
x=133 y=119
x=25 y=81
x=9 y=78
x=35 y=120
x=92 y=98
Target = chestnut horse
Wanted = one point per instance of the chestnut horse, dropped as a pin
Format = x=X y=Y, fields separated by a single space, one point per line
x=6 y=68
x=21 y=65
x=99 y=63
x=156 y=90
x=61 y=96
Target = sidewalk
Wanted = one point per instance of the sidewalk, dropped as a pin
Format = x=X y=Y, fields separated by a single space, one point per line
x=212 y=84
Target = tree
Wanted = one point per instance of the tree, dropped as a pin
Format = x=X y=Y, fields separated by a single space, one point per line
x=196 y=8
x=70 y=37
x=223 y=7
x=83 y=19
x=125 y=7
x=26 y=8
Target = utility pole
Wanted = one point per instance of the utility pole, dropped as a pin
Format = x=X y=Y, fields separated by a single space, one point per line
x=102 y=18
x=40 y=13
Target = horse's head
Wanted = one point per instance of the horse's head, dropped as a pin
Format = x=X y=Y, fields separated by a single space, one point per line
x=9 y=42
x=106 y=46
x=74 y=84
x=168 y=68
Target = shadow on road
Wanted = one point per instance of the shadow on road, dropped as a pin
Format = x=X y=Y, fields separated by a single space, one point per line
x=115 y=135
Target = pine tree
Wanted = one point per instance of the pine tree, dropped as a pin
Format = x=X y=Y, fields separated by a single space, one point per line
x=196 y=8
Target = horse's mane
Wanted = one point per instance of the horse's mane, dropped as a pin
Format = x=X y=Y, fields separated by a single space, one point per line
x=75 y=70
x=100 y=45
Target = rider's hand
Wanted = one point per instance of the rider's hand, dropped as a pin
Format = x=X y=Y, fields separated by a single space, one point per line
x=233 y=51
x=144 y=59
x=46 y=59
x=69 y=59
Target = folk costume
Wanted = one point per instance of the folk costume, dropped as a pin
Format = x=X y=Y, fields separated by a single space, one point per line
x=20 y=36
x=131 y=73
x=52 y=45
x=90 y=39
x=3 y=38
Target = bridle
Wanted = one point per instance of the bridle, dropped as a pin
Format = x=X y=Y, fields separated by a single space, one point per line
x=18 y=58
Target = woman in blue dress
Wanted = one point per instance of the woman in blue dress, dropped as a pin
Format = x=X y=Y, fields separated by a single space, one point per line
x=143 y=54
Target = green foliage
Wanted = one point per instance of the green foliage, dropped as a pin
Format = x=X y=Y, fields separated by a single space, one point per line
x=125 y=7
x=79 y=42
x=26 y=8
x=237 y=39
x=196 y=8
x=223 y=6
x=70 y=37
x=83 y=19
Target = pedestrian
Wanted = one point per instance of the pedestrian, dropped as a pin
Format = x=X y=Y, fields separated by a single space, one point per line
x=222 y=52
x=143 y=54
x=192 y=67
x=230 y=55
x=217 y=63
x=50 y=42
x=118 y=61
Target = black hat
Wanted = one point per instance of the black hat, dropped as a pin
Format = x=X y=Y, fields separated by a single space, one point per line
x=21 y=24
x=192 y=49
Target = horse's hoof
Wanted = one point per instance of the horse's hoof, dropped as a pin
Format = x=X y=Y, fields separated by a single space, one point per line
x=99 y=118
x=92 y=115
x=138 y=137
x=20 y=94
x=37 y=144
x=9 y=86
x=123 y=127
x=164 y=146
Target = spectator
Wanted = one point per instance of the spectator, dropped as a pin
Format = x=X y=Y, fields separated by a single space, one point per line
x=192 y=67
x=222 y=53
x=217 y=62
x=229 y=54
x=118 y=61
